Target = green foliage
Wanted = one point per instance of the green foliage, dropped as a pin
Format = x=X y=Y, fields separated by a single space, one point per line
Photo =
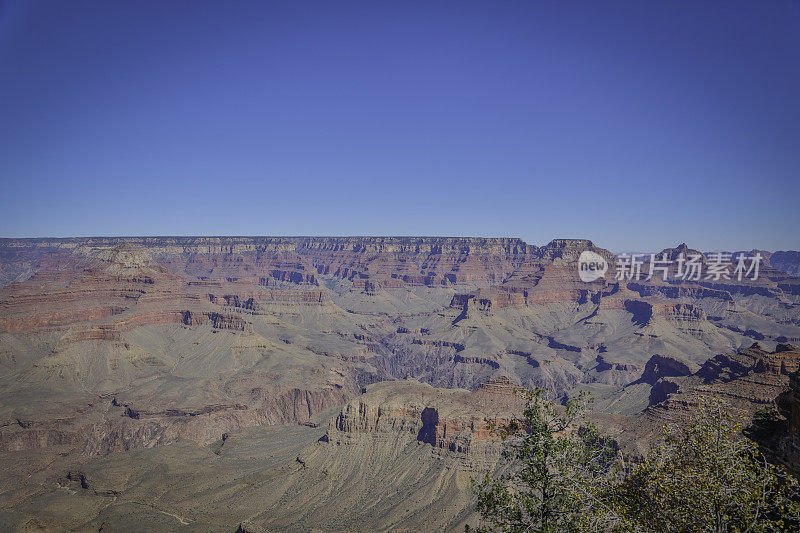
x=705 y=476
x=558 y=460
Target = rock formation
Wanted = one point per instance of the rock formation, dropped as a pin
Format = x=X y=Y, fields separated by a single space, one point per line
x=308 y=368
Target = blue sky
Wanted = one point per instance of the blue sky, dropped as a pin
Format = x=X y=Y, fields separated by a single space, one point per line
x=636 y=124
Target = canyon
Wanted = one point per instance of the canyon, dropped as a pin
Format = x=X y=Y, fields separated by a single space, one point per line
x=345 y=383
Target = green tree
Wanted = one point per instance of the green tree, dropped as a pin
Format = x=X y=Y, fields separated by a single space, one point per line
x=706 y=476
x=557 y=464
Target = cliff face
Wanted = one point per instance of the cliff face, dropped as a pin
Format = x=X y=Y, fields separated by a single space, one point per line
x=749 y=380
x=235 y=245
x=297 y=260
x=457 y=421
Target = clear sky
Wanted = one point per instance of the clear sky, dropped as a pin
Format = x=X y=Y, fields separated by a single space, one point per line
x=636 y=124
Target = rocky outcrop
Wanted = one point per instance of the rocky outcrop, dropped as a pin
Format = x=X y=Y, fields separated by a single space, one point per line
x=242 y=301
x=456 y=421
x=664 y=366
x=662 y=389
x=447 y=344
x=136 y=429
x=294 y=276
x=486 y=301
x=129 y=261
x=234 y=322
x=568 y=250
x=749 y=379
x=726 y=367
x=217 y=321
x=477 y=360
x=788 y=262
x=616 y=373
x=672 y=254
